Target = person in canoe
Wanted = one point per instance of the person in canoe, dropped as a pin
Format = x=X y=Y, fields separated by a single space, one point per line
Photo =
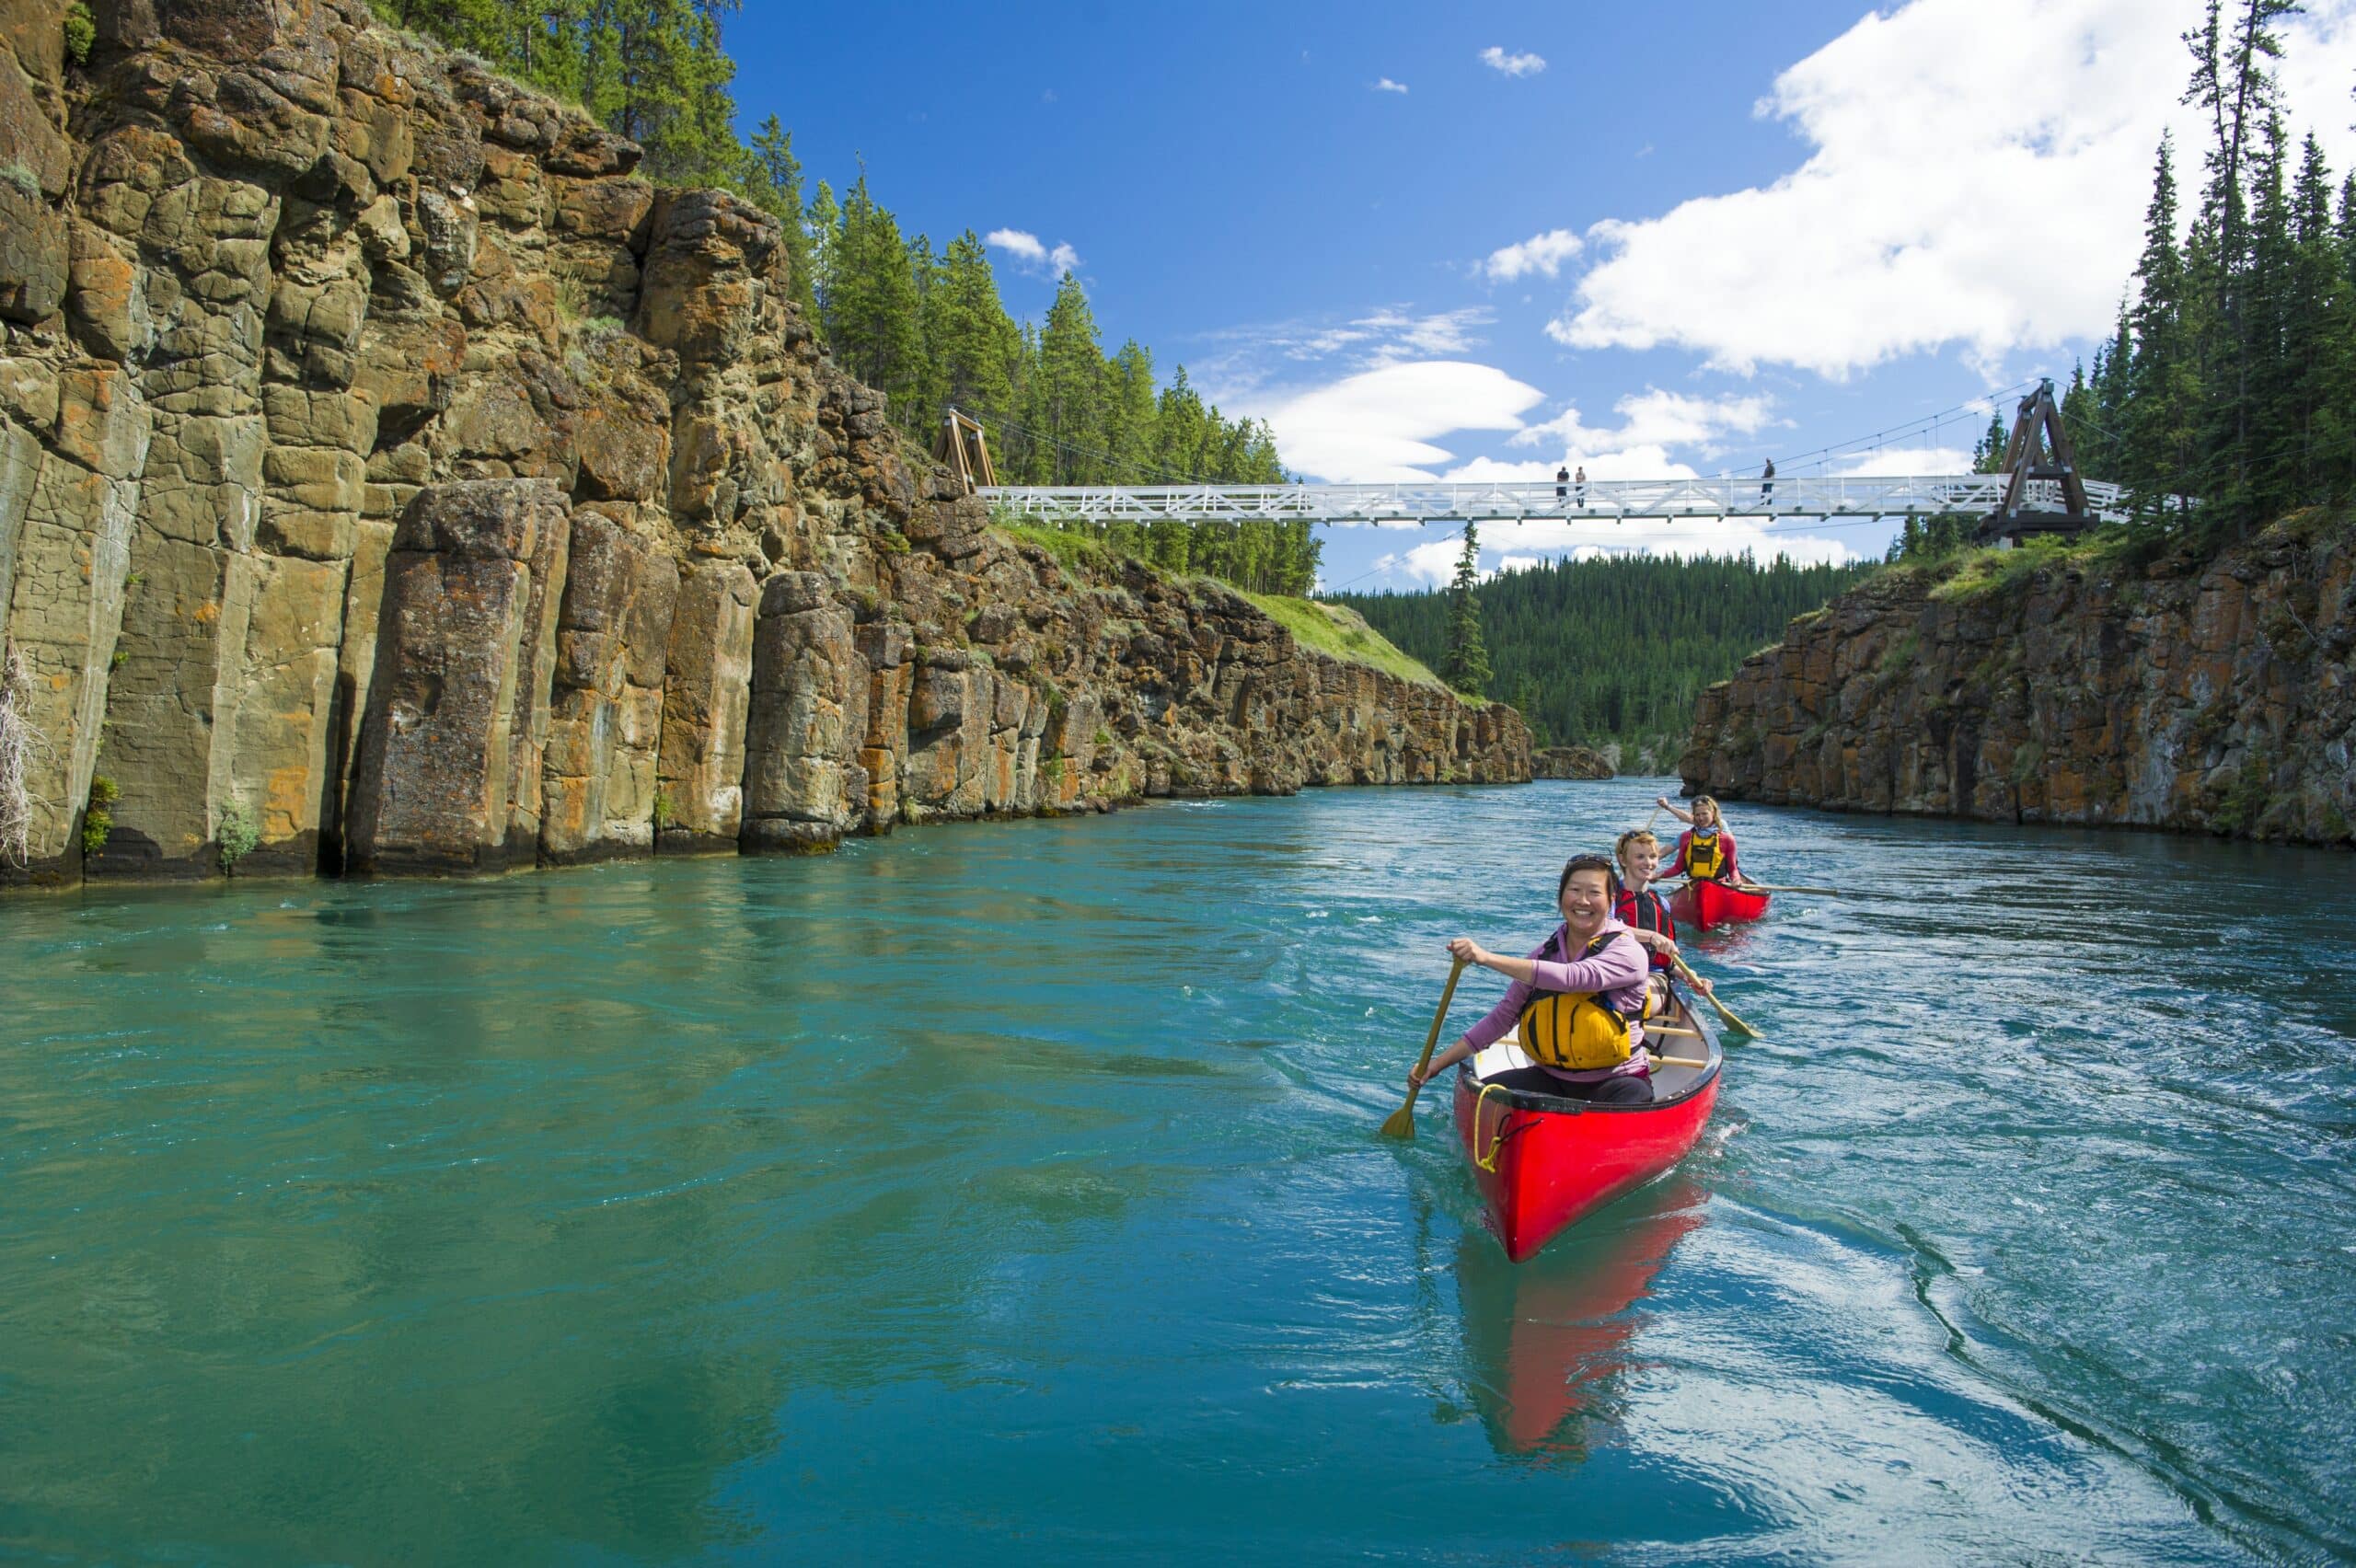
x=1645 y=912
x=1579 y=999
x=1705 y=849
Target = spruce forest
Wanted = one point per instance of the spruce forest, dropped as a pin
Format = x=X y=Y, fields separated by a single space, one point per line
x=1613 y=648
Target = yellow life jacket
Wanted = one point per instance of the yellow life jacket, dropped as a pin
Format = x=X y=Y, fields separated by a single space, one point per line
x=1578 y=1031
x=1705 y=858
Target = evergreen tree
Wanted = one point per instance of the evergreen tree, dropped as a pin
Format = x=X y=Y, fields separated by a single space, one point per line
x=824 y=226
x=1467 y=666
x=653 y=71
x=2163 y=414
x=773 y=180
x=1988 y=452
x=970 y=339
x=872 y=310
x=1071 y=388
x=1130 y=411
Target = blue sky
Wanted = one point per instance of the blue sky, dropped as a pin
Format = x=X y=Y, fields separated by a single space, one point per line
x=1659 y=239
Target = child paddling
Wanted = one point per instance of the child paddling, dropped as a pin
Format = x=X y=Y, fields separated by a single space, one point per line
x=1705 y=849
x=1645 y=912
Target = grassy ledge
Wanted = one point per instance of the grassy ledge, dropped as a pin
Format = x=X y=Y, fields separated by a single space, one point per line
x=1331 y=629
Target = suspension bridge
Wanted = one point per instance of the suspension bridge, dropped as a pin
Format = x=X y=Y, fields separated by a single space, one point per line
x=1610 y=500
x=2036 y=489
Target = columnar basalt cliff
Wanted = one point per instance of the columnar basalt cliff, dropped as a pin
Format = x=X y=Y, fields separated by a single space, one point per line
x=390 y=480
x=2211 y=698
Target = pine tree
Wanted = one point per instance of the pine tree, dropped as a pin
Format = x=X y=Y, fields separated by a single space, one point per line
x=1129 y=414
x=2162 y=419
x=1988 y=452
x=773 y=180
x=971 y=339
x=824 y=227
x=1072 y=386
x=2317 y=305
x=1467 y=666
x=1181 y=429
x=871 y=314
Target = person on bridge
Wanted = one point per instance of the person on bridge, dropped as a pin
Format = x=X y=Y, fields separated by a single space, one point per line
x=1766 y=495
x=1705 y=849
x=1579 y=481
x=1562 y=489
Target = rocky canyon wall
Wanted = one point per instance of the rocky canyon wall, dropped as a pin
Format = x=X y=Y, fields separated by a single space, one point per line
x=2212 y=696
x=390 y=480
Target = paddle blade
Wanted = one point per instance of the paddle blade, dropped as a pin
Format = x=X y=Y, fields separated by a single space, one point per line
x=1402 y=1123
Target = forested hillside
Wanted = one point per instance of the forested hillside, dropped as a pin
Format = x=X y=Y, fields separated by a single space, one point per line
x=921 y=322
x=1614 y=649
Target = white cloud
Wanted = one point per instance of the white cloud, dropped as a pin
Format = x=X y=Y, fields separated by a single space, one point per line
x=1026 y=252
x=1390 y=335
x=1378 y=426
x=1539 y=253
x=1385 y=85
x=1651 y=423
x=1496 y=59
x=1945 y=160
x=1900 y=462
x=1251 y=359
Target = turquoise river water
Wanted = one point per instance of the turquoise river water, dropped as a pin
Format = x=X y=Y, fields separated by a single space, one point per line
x=1011 y=1193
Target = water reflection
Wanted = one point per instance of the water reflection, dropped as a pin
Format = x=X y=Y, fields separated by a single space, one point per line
x=1547 y=1342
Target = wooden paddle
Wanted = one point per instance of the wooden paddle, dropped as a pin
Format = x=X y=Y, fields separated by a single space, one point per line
x=1679 y=1062
x=1402 y=1123
x=1724 y=1012
x=1763 y=887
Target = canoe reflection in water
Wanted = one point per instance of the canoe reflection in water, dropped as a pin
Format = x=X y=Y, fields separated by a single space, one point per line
x=1547 y=1341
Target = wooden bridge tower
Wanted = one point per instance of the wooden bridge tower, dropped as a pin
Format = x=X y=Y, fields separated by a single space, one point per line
x=2039 y=449
x=961 y=445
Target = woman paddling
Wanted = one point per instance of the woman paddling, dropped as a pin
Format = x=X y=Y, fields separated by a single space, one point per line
x=1705 y=849
x=1645 y=912
x=1579 y=999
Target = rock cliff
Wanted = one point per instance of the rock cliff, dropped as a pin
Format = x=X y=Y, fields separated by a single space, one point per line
x=1570 y=762
x=2062 y=686
x=390 y=480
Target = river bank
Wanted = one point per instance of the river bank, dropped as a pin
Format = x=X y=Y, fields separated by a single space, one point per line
x=2088 y=684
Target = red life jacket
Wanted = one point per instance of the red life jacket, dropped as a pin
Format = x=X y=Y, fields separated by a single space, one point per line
x=1646 y=911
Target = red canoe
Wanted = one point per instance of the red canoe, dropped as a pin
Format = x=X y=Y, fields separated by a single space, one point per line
x=1544 y=1163
x=1702 y=905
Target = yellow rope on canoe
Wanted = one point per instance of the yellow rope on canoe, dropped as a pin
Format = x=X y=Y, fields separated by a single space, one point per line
x=1489 y=1161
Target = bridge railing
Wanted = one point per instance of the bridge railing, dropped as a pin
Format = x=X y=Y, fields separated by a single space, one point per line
x=1438 y=501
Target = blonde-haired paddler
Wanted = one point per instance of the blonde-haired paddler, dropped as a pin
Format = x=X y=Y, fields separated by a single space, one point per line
x=1645 y=912
x=1578 y=998
x=1705 y=850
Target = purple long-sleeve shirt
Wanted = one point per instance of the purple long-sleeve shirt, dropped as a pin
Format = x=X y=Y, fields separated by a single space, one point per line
x=1620 y=973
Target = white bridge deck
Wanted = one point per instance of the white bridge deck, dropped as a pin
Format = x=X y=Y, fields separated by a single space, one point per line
x=1436 y=501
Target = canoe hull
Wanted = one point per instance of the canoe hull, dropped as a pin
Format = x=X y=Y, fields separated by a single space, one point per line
x=1544 y=1164
x=1702 y=904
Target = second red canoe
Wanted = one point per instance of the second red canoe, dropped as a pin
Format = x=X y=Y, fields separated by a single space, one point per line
x=1702 y=905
